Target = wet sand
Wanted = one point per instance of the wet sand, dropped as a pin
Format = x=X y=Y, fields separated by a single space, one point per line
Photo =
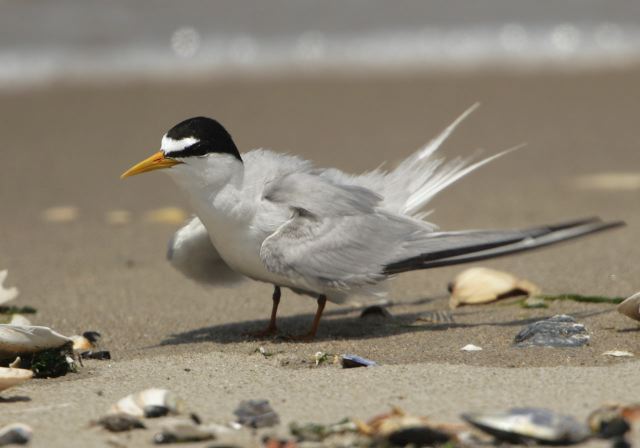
x=66 y=145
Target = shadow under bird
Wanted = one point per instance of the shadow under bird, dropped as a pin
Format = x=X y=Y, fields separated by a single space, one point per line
x=324 y=233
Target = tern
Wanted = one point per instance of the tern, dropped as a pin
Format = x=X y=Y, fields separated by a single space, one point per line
x=276 y=218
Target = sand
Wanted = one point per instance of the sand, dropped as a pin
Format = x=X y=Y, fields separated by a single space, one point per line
x=65 y=146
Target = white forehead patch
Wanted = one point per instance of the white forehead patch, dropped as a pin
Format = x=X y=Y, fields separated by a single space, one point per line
x=170 y=145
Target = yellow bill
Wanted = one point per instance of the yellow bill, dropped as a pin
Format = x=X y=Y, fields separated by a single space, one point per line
x=157 y=161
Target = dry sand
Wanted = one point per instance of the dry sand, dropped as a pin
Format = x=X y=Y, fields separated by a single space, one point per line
x=66 y=146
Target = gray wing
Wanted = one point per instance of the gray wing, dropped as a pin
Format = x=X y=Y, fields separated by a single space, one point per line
x=337 y=237
x=192 y=253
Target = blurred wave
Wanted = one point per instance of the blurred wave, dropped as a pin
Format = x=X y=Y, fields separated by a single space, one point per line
x=90 y=39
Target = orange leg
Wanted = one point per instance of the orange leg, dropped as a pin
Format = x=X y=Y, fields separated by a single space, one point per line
x=272 y=328
x=310 y=336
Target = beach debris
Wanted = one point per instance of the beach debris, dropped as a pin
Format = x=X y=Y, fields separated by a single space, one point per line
x=479 y=285
x=101 y=355
x=613 y=420
x=19 y=320
x=120 y=422
x=6 y=294
x=15 y=434
x=17 y=363
x=60 y=214
x=166 y=215
x=471 y=348
x=557 y=331
x=118 y=217
x=264 y=352
x=274 y=442
x=321 y=358
x=630 y=307
x=10 y=376
x=314 y=432
x=181 y=430
x=28 y=339
x=529 y=425
x=618 y=354
x=402 y=429
x=438 y=317
x=353 y=361
x=375 y=312
x=149 y=403
x=608 y=181
x=52 y=362
x=256 y=414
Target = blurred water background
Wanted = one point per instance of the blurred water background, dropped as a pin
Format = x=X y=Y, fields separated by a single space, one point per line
x=42 y=41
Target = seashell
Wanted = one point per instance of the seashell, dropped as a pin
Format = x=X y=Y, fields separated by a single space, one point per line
x=402 y=429
x=471 y=348
x=15 y=434
x=526 y=425
x=631 y=306
x=185 y=430
x=438 y=317
x=256 y=414
x=10 y=377
x=611 y=420
x=60 y=214
x=80 y=343
x=148 y=403
x=352 y=361
x=6 y=294
x=20 y=320
x=618 y=354
x=557 y=331
x=28 y=339
x=482 y=285
x=166 y=215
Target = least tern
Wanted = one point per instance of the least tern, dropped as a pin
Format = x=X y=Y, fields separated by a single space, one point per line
x=324 y=233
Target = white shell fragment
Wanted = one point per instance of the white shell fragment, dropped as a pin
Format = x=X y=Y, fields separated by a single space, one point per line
x=618 y=354
x=526 y=425
x=482 y=285
x=631 y=307
x=28 y=339
x=148 y=403
x=19 y=319
x=15 y=434
x=471 y=348
x=6 y=294
x=10 y=377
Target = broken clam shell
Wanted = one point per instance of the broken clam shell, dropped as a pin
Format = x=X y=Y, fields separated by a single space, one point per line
x=15 y=434
x=120 y=423
x=631 y=306
x=6 y=294
x=10 y=377
x=28 y=339
x=525 y=425
x=148 y=403
x=482 y=285
x=557 y=331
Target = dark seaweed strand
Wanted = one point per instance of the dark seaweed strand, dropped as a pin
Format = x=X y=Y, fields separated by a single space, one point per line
x=581 y=298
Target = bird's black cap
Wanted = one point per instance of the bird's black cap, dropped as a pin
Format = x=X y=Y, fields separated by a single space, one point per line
x=212 y=138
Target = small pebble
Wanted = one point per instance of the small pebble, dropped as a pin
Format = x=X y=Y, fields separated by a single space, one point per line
x=256 y=414
x=120 y=422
